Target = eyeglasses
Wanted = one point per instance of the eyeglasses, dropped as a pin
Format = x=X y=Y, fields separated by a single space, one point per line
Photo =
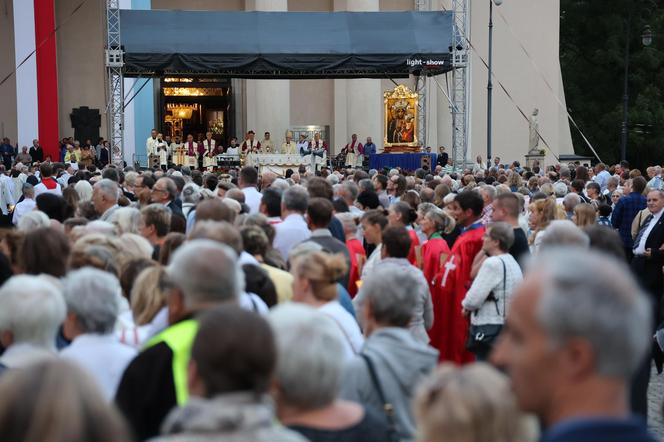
x=154 y=189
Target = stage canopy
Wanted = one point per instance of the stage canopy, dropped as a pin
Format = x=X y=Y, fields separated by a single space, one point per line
x=286 y=44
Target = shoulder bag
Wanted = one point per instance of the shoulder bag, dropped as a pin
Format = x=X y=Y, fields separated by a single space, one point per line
x=484 y=335
x=388 y=408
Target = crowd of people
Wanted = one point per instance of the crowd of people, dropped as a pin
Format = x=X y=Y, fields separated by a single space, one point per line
x=494 y=303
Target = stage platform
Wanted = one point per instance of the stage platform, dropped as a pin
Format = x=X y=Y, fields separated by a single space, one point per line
x=406 y=161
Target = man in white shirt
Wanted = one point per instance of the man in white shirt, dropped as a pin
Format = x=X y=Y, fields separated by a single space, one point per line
x=248 y=180
x=105 y=198
x=92 y=297
x=293 y=229
x=233 y=148
x=655 y=203
x=27 y=205
x=151 y=143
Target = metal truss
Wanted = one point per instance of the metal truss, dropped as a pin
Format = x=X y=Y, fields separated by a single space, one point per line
x=421 y=89
x=460 y=82
x=115 y=80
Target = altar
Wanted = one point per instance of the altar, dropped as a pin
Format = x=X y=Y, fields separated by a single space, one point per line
x=278 y=163
x=406 y=161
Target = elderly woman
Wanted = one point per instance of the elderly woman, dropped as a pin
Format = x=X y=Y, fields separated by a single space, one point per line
x=92 y=297
x=307 y=382
x=126 y=220
x=434 y=224
x=233 y=359
x=487 y=299
x=391 y=356
x=473 y=403
x=38 y=302
x=315 y=277
x=84 y=190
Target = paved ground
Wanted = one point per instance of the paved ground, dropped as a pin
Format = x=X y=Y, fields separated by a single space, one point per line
x=655 y=401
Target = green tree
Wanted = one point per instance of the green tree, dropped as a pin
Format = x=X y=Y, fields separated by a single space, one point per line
x=592 y=51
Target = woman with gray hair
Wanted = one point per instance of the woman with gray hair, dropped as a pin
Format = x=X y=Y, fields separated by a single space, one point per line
x=126 y=220
x=191 y=195
x=487 y=299
x=392 y=360
x=308 y=378
x=32 y=310
x=93 y=298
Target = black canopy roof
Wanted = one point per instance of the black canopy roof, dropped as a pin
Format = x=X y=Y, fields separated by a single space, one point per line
x=286 y=44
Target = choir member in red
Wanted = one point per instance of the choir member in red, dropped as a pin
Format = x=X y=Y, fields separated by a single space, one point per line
x=401 y=214
x=435 y=249
x=454 y=280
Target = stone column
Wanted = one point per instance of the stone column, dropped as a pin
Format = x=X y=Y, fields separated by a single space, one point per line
x=358 y=103
x=267 y=101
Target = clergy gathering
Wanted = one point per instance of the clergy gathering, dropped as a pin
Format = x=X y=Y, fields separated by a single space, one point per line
x=331 y=221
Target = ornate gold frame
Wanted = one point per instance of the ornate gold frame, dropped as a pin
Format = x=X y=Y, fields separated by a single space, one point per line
x=400 y=98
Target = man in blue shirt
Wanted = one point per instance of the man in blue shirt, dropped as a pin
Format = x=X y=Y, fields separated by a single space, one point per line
x=369 y=148
x=577 y=330
x=625 y=211
x=601 y=176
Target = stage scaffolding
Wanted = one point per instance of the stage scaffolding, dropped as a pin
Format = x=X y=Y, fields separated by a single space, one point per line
x=460 y=81
x=115 y=97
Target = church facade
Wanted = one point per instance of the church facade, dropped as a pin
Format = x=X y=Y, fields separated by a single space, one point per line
x=71 y=64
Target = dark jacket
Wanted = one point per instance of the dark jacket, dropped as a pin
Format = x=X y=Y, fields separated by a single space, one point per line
x=598 y=429
x=37 y=154
x=624 y=213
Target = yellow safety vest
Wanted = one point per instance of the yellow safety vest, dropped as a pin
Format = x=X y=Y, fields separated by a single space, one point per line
x=179 y=338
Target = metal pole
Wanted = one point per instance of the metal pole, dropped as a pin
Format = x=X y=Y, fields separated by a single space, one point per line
x=489 y=87
x=624 y=134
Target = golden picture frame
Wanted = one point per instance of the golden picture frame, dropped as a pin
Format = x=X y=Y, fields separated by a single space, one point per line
x=400 y=118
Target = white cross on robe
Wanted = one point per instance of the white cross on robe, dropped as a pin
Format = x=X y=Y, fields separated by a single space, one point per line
x=449 y=266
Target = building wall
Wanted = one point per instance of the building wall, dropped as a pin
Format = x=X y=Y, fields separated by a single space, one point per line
x=204 y=5
x=8 y=123
x=81 y=71
x=396 y=5
x=311 y=5
x=535 y=24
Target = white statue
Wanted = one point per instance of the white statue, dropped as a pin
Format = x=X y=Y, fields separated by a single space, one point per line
x=533 y=141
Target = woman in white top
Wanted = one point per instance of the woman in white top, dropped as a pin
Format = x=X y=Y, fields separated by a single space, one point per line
x=373 y=222
x=488 y=297
x=315 y=277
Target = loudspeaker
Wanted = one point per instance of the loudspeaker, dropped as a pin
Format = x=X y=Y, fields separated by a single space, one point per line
x=154 y=161
x=425 y=162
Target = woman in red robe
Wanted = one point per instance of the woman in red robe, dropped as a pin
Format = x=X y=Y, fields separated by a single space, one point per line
x=435 y=249
x=401 y=214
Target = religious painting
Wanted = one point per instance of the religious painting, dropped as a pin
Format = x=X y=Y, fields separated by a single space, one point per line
x=400 y=117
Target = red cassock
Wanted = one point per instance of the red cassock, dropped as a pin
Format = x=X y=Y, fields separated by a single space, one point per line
x=355 y=249
x=414 y=242
x=432 y=250
x=450 y=328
